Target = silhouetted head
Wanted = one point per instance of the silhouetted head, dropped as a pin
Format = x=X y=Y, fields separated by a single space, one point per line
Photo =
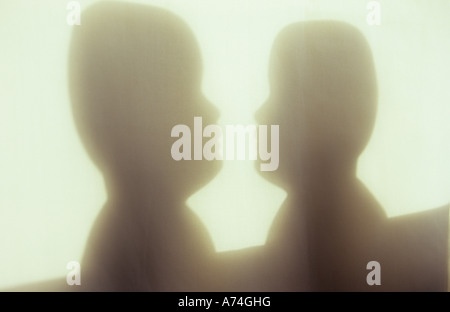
x=323 y=96
x=135 y=72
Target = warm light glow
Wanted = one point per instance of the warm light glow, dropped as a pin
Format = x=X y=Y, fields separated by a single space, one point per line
x=50 y=192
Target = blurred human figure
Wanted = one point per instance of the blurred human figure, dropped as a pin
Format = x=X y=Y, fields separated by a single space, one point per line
x=135 y=72
x=324 y=97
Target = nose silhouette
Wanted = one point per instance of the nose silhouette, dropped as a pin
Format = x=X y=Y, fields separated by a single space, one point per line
x=265 y=114
x=213 y=113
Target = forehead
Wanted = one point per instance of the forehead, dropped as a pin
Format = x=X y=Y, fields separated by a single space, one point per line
x=134 y=39
x=322 y=56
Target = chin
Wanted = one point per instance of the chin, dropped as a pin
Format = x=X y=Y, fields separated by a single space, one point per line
x=268 y=175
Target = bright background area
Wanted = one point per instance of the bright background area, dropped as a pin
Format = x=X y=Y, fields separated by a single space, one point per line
x=50 y=192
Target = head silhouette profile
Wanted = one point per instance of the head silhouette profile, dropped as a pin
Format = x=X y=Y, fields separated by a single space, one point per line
x=323 y=96
x=135 y=72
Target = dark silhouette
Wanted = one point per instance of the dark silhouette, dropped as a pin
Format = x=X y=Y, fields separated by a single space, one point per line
x=135 y=72
x=324 y=97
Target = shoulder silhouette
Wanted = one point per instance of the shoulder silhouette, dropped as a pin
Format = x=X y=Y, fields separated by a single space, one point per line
x=324 y=97
x=134 y=72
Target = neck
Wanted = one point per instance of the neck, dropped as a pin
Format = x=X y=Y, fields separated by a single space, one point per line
x=145 y=228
